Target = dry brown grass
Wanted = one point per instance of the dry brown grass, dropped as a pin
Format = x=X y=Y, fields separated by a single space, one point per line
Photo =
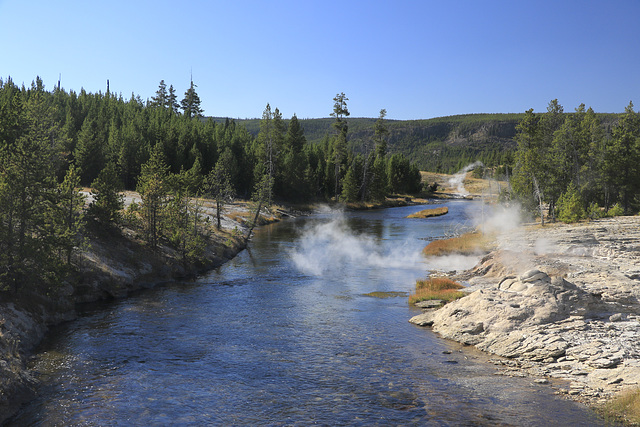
x=475 y=187
x=465 y=244
x=428 y=213
x=239 y=216
x=440 y=288
x=623 y=408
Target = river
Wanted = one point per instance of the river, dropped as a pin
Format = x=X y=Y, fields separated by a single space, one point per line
x=287 y=333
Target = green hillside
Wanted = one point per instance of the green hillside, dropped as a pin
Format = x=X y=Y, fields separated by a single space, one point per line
x=441 y=144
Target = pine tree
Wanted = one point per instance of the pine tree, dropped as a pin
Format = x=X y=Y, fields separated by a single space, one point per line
x=380 y=132
x=269 y=145
x=571 y=205
x=622 y=156
x=107 y=202
x=181 y=218
x=161 y=99
x=172 y=100
x=379 y=137
x=30 y=155
x=191 y=103
x=89 y=154
x=153 y=187
x=70 y=214
x=350 y=186
x=293 y=183
x=218 y=184
x=339 y=148
x=379 y=182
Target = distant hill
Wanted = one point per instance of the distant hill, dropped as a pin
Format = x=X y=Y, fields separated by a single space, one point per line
x=442 y=144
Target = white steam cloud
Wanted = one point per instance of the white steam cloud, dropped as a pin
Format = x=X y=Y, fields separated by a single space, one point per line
x=499 y=219
x=449 y=263
x=458 y=179
x=327 y=247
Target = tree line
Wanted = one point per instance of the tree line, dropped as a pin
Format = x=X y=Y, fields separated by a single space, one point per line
x=577 y=165
x=52 y=143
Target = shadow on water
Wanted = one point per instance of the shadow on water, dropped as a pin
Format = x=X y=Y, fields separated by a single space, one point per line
x=285 y=335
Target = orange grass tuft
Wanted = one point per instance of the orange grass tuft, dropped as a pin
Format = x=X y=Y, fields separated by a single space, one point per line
x=428 y=213
x=436 y=288
x=466 y=244
x=624 y=408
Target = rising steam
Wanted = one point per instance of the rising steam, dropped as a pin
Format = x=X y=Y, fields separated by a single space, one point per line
x=458 y=179
x=333 y=247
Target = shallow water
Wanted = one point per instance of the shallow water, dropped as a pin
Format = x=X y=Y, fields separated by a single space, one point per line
x=285 y=335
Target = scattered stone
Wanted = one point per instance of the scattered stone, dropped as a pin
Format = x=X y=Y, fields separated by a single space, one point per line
x=424 y=319
x=428 y=304
x=541 y=381
x=615 y=317
x=533 y=275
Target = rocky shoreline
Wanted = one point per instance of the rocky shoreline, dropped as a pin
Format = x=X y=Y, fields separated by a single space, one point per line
x=559 y=302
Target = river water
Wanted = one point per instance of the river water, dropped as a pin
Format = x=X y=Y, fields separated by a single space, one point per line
x=287 y=333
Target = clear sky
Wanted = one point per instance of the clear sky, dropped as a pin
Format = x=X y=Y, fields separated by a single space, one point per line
x=418 y=59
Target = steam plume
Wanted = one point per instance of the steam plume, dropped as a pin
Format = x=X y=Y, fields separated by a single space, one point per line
x=458 y=179
x=333 y=247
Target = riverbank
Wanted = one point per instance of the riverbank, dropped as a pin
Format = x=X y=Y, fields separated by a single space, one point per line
x=559 y=302
x=114 y=264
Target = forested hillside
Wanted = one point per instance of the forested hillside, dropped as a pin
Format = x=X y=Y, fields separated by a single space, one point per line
x=443 y=144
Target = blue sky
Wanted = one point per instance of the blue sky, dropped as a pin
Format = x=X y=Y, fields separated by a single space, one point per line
x=417 y=59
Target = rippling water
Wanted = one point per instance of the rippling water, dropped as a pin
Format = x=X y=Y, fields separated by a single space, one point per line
x=285 y=334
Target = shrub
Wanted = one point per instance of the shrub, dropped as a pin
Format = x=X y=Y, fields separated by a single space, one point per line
x=615 y=210
x=571 y=206
x=465 y=244
x=429 y=188
x=440 y=288
x=595 y=212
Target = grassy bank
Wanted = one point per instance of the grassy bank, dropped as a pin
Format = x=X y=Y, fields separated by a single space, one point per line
x=624 y=408
x=436 y=288
x=465 y=244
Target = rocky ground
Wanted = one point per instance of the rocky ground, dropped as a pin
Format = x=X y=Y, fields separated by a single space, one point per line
x=556 y=302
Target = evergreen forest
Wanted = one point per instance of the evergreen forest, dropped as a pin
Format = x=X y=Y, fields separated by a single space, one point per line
x=578 y=165
x=55 y=142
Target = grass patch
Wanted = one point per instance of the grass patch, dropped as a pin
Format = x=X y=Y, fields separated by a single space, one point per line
x=239 y=216
x=437 y=288
x=390 y=294
x=428 y=213
x=624 y=408
x=465 y=244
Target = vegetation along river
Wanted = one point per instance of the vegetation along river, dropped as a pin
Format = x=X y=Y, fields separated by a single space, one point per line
x=285 y=334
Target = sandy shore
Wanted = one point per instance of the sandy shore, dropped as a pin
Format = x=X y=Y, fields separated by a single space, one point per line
x=557 y=302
